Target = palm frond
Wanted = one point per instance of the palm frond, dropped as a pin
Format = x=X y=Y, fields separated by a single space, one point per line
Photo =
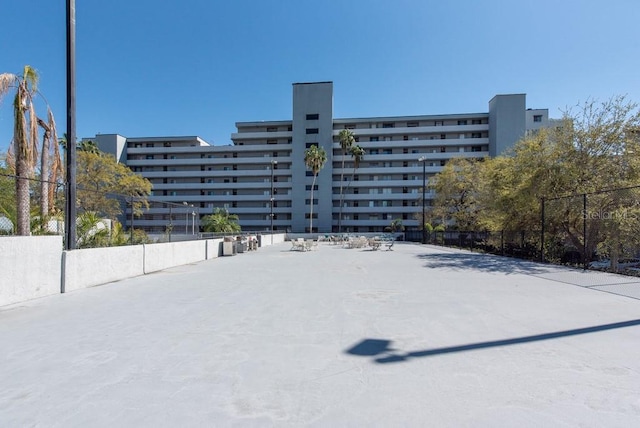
x=7 y=80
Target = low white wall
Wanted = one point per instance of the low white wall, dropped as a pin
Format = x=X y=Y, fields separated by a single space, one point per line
x=37 y=266
x=169 y=254
x=30 y=267
x=94 y=266
x=214 y=248
x=276 y=238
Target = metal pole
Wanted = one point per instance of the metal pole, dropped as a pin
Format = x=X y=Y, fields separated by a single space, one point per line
x=584 y=231
x=542 y=230
x=424 y=185
x=132 y=220
x=193 y=222
x=70 y=203
x=186 y=219
x=273 y=164
x=170 y=222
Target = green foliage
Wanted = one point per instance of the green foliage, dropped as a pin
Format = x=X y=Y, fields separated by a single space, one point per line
x=396 y=225
x=7 y=194
x=101 y=178
x=595 y=148
x=457 y=188
x=221 y=222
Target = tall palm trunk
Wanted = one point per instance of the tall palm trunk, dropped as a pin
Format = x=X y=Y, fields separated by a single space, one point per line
x=311 y=211
x=44 y=174
x=22 y=162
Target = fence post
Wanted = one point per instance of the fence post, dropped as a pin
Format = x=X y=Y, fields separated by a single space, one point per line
x=502 y=242
x=131 y=220
x=585 y=260
x=542 y=229
x=170 y=222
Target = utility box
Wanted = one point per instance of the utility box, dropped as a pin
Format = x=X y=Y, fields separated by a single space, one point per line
x=229 y=248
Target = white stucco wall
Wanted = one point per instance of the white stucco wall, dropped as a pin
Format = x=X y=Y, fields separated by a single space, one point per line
x=214 y=248
x=169 y=254
x=94 y=266
x=30 y=267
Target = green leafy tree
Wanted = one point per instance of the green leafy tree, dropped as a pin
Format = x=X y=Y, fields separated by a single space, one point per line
x=221 y=221
x=457 y=188
x=594 y=148
x=100 y=178
x=347 y=140
x=314 y=158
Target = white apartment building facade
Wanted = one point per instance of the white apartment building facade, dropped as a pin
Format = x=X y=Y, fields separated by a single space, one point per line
x=263 y=179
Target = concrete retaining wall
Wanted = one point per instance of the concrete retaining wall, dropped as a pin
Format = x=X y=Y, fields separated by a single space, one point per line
x=30 y=267
x=95 y=266
x=37 y=266
x=163 y=256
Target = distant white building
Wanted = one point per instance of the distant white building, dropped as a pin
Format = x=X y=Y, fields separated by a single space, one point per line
x=387 y=185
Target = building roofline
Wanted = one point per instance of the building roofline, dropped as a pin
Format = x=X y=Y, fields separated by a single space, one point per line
x=169 y=138
x=313 y=83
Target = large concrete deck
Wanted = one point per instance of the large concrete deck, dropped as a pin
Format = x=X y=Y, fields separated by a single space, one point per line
x=418 y=336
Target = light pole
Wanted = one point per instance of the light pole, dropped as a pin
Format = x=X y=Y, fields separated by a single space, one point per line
x=423 y=159
x=273 y=164
x=186 y=219
x=193 y=222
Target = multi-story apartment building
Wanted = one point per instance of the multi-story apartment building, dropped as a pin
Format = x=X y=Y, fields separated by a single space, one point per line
x=263 y=179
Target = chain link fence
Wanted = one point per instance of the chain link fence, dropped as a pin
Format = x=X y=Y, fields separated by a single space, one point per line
x=598 y=230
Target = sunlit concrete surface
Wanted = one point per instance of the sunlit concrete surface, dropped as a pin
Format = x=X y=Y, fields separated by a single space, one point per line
x=418 y=336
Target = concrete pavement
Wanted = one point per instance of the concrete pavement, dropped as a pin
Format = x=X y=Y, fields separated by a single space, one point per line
x=418 y=336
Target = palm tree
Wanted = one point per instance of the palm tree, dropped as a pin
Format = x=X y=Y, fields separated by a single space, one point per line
x=221 y=222
x=50 y=166
x=23 y=153
x=346 y=143
x=314 y=158
x=357 y=153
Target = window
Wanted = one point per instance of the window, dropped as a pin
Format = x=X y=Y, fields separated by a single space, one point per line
x=537 y=118
x=272 y=129
x=443 y=136
x=476 y=121
x=439 y=123
x=476 y=148
x=350 y=126
x=307 y=201
x=388 y=125
x=149 y=156
x=149 y=144
x=310 y=144
x=373 y=151
x=412 y=124
x=387 y=151
x=462 y=122
x=443 y=149
x=476 y=135
x=309 y=174
x=308 y=187
x=313 y=116
x=272 y=141
x=312 y=131
x=373 y=139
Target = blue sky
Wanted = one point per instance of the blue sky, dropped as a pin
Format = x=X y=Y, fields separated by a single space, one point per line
x=195 y=67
